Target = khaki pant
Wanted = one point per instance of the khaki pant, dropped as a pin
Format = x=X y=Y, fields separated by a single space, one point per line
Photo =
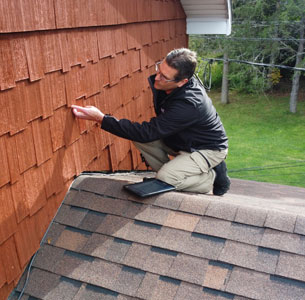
x=186 y=171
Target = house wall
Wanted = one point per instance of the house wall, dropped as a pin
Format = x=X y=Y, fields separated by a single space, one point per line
x=55 y=53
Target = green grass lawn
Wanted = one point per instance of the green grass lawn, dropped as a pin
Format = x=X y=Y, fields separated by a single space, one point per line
x=266 y=141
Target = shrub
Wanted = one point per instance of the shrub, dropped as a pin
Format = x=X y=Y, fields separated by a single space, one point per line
x=247 y=79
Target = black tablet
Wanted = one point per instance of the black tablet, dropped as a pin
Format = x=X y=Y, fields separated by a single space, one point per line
x=149 y=187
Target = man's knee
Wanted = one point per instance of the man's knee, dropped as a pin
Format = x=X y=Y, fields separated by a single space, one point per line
x=202 y=183
x=165 y=174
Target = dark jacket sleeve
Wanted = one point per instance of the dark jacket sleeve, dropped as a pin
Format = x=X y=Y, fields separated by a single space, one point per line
x=177 y=117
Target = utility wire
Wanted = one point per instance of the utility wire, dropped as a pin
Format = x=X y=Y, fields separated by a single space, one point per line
x=251 y=39
x=271 y=167
x=254 y=169
x=256 y=64
x=242 y=21
x=34 y=256
x=274 y=175
x=207 y=75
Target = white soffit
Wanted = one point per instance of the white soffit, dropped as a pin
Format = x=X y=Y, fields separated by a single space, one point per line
x=207 y=16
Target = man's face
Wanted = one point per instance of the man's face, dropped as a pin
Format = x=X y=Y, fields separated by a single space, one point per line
x=165 y=77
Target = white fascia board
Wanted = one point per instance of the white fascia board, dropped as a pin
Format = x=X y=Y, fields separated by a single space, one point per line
x=208 y=26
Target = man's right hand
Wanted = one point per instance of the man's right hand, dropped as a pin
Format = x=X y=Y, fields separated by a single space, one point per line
x=90 y=113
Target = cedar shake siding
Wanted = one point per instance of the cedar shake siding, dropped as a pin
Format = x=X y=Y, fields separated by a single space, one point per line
x=55 y=53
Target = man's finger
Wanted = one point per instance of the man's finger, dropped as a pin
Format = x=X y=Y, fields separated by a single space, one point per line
x=79 y=114
x=79 y=108
x=75 y=106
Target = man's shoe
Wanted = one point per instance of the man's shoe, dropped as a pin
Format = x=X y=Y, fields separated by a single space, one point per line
x=222 y=181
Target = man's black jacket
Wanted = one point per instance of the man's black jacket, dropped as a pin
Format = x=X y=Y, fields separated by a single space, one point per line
x=186 y=120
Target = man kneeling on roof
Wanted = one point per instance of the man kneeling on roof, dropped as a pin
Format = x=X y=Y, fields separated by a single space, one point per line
x=186 y=126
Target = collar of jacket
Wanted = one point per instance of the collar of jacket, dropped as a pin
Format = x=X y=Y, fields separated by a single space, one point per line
x=151 y=80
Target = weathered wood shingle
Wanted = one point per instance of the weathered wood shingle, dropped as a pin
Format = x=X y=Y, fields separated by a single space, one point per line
x=55 y=54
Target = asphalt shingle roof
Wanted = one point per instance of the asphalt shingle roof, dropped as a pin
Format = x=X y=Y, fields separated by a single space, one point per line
x=107 y=244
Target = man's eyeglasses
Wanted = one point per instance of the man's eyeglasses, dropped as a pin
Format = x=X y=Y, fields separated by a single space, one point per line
x=162 y=77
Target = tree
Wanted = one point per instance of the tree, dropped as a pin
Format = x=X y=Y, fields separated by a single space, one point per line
x=225 y=80
x=296 y=77
x=263 y=33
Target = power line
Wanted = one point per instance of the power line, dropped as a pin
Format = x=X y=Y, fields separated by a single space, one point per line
x=255 y=64
x=266 y=168
x=300 y=163
x=29 y=268
x=251 y=39
x=273 y=175
x=242 y=21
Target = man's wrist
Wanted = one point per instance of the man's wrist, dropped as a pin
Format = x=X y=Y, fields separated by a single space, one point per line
x=100 y=119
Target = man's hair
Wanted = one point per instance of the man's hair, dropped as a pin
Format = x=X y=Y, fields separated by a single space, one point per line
x=184 y=61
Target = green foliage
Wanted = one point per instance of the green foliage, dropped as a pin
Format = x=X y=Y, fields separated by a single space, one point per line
x=255 y=24
x=275 y=76
x=266 y=142
x=247 y=79
x=216 y=72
